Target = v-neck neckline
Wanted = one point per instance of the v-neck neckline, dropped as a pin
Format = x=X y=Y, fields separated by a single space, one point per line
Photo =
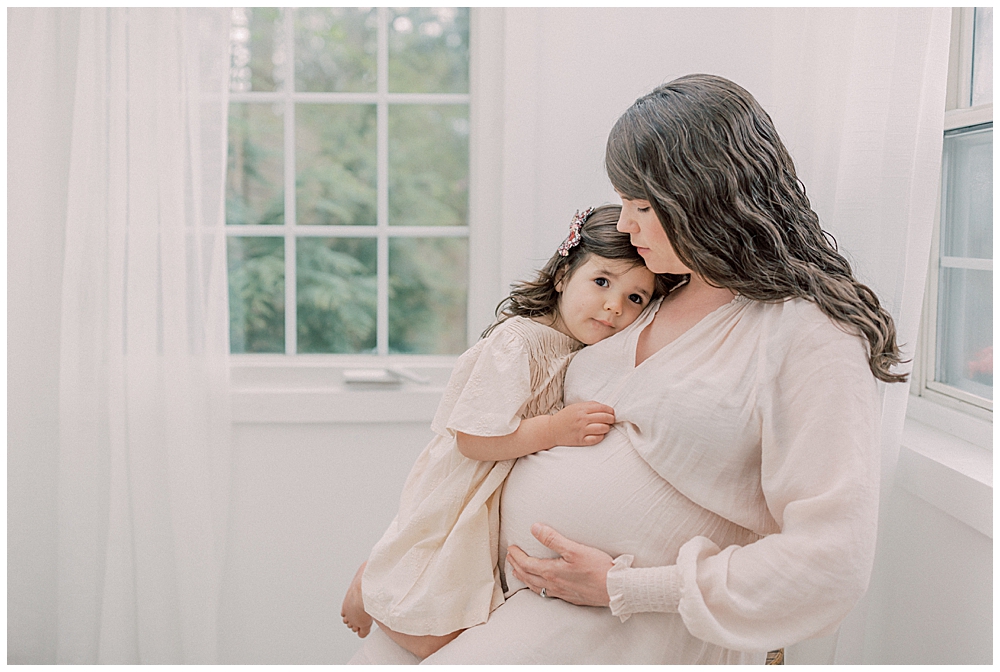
x=634 y=344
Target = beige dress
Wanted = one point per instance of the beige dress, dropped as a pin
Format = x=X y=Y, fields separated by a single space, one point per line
x=435 y=570
x=737 y=493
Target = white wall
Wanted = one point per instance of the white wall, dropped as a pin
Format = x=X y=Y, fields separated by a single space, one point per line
x=308 y=503
x=938 y=585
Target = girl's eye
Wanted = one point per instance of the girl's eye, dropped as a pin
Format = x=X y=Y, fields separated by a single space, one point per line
x=601 y=282
x=635 y=298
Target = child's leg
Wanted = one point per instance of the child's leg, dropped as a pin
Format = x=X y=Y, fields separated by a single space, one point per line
x=419 y=645
x=358 y=620
x=353 y=610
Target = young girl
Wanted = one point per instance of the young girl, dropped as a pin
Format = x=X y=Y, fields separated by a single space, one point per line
x=435 y=571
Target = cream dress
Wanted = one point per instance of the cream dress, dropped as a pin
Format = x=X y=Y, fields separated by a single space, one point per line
x=737 y=493
x=435 y=570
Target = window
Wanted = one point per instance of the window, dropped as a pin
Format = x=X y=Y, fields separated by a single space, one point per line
x=347 y=201
x=957 y=360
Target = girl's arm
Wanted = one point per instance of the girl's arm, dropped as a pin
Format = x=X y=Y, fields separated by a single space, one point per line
x=582 y=424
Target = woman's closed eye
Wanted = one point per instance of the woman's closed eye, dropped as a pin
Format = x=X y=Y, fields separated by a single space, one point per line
x=646 y=209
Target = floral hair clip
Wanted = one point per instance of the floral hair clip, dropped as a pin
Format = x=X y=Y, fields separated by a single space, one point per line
x=573 y=239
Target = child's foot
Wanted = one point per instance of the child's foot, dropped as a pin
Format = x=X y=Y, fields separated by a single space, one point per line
x=353 y=609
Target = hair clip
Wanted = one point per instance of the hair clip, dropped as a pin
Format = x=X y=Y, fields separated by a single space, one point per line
x=573 y=239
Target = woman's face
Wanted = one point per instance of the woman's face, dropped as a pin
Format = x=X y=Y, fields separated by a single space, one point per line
x=647 y=235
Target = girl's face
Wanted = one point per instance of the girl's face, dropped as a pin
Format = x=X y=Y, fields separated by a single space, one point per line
x=647 y=235
x=602 y=297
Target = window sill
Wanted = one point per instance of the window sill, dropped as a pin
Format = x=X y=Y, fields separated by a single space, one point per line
x=314 y=389
x=946 y=459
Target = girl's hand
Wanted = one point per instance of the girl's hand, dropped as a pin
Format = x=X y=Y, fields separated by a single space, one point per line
x=582 y=424
x=579 y=575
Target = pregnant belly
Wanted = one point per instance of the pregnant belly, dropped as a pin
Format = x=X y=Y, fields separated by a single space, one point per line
x=608 y=497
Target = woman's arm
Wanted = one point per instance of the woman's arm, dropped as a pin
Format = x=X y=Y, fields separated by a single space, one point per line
x=581 y=424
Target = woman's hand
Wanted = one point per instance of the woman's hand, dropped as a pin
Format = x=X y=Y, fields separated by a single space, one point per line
x=579 y=575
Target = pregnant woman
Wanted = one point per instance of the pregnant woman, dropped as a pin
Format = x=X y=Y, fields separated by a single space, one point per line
x=732 y=508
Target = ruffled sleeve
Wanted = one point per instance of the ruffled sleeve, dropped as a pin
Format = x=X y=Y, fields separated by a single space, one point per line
x=488 y=389
x=642 y=589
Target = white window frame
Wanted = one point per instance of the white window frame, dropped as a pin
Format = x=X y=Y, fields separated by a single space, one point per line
x=958 y=114
x=283 y=388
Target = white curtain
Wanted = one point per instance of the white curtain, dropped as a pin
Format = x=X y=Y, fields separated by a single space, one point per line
x=144 y=423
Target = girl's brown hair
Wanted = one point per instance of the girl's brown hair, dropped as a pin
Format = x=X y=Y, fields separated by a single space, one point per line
x=599 y=235
x=708 y=159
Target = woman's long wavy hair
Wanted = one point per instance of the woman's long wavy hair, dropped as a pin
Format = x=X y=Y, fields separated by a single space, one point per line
x=599 y=236
x=708 y=159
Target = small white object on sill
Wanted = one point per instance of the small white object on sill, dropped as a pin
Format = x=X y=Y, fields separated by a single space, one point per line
x=382 y=377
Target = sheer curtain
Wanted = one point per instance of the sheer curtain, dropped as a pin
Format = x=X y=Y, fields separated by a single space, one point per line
x=144 y=419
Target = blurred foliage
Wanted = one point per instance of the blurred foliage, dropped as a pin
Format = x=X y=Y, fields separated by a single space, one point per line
x=336 y=294
x=428 y=165
x=256 y=48
x=428 y=286
x=254 y=191
x=335 y=49
x=256 y=294
x=335 y=164
x=429 y=50
x=336 y=174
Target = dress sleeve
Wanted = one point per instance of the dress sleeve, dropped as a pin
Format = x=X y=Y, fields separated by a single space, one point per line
x=819 y=475
x=489 y=396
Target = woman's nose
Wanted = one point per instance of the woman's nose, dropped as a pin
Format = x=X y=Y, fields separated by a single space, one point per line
x=624 y=225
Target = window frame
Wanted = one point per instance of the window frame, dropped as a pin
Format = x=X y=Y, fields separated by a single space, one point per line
x=313 y=387
x=291 y=229
x=959 y=114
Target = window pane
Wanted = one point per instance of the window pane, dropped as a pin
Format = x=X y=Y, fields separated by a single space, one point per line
x=336 y=294
x=257 y=54
x=335 y=164
x=982 y=57
x=428 y=285
x=428 y=165
x=254 y=192
x=429 y=50
x=965 y=331
x=967 y=224
x=335 y=49
x=256 y=294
